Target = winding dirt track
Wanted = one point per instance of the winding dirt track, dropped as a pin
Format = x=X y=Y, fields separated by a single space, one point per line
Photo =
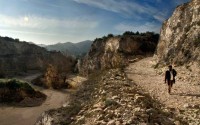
x=29 y=115
x=144 y=75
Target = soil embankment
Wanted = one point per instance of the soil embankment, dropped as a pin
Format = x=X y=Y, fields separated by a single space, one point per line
x=29 y=115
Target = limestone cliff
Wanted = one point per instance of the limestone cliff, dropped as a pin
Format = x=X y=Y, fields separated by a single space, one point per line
x=116 y=51
x=18 y=57
x=179 y=42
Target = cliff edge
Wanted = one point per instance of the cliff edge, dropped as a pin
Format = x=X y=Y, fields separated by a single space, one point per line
x=179 y=42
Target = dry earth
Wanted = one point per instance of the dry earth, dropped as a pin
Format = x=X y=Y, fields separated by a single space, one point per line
x=109 y=98
x=144 y=75
x=185 y=94
x=29 y=115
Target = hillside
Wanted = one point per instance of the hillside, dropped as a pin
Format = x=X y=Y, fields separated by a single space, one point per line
x=68 y=48
x=179 y=42
x=18 y=57
x=116 y=51
x=135 y=93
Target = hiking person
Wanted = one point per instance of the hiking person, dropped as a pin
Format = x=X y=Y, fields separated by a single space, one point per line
x=170 y=77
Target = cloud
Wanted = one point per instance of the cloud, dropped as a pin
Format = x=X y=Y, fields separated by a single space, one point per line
x=43 y=3
x=128 y=9
x=148 y=26
x=46 y=30
x=160 y=16
x=27 y=32
x=158 y=1
x=42 y=23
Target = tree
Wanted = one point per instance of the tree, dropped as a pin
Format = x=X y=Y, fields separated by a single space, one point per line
x=137 y=33
x=128 y=33
x=51 y=76
x=17 y=40
x=110 y=35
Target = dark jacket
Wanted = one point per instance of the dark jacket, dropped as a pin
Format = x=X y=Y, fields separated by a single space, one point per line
x=168 y=76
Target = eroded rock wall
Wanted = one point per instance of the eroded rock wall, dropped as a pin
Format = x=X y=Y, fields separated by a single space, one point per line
x=18 y=57
x=179 y=42
x=116 y=51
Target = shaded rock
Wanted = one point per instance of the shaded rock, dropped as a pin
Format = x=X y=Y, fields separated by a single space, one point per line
x=151 y=111
x=111 y=102
x=46 y=119
x=17 y=58
x=138 y=98
x=112 y=122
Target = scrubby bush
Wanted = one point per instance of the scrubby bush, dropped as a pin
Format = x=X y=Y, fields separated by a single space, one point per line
x=2 y=74
x=14 y=84
x=110 y=35
x=15 y=91
x=54 y=78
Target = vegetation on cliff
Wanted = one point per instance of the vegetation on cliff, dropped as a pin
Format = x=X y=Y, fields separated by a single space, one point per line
x=54 y=77
x=115 y=51
x=179 y=42
x=19 y=93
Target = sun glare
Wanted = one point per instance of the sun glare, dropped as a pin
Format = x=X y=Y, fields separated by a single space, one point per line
x=26 y=19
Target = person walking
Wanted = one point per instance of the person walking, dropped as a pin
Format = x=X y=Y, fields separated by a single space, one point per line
x=170 y=75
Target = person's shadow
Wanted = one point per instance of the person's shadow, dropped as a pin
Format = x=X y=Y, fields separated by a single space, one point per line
x=186 y=94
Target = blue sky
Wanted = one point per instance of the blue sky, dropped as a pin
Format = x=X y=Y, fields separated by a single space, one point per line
x=53 y=21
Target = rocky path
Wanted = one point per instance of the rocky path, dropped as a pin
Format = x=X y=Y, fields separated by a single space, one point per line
x=29 y=115
x=185 y=93
x=109 y=98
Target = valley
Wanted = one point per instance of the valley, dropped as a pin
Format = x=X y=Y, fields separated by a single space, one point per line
x=10 y=115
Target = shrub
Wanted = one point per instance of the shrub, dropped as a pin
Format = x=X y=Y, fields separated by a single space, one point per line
x=110 y=35
x=12 y=90
x=13 y=84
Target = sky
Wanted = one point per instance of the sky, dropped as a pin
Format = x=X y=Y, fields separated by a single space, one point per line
x=53 y=21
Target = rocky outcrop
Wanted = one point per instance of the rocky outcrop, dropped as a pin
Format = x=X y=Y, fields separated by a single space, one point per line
x=45 y=119
x=116 y=51
x=19 y=57
x=109 y=98
x=179 y=42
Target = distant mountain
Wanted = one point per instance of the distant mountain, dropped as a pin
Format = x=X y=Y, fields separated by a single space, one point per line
x=42 y=45
x=68 y=48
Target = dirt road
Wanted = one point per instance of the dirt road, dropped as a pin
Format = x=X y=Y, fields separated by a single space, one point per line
x=29 y=115
x=183 y=93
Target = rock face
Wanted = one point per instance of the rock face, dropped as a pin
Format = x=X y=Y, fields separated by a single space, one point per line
x=18 y=57
x=116 y=51
x=179 y=42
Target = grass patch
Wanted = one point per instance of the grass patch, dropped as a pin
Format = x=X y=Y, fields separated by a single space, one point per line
x=19 y=93
x=15 y=84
